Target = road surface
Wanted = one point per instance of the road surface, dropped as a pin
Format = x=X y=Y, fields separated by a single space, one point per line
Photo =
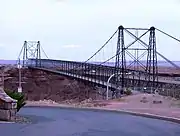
x=68 y=122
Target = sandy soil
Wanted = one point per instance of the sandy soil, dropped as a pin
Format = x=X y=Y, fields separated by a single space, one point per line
x=144 y=103
x=141 y=103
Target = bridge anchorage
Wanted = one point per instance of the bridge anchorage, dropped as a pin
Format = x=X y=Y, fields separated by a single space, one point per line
x=133 y=62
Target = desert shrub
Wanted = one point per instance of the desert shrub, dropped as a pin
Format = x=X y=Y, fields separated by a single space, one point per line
x=128 y=91
x=19 y=97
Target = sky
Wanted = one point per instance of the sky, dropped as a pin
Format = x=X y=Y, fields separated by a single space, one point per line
x=75 y=29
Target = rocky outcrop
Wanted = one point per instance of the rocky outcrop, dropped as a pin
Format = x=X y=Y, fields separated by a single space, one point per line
x=38 y=85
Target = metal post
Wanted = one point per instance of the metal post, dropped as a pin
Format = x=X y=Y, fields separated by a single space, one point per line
x=107 y=88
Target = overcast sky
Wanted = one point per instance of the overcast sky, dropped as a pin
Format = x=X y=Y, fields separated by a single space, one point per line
x=74 y=29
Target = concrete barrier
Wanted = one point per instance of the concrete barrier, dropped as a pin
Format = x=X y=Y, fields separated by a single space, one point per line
x=7 y=115
x=8 y=107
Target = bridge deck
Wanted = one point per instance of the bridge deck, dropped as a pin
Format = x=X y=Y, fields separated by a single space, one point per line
x=104 y=83
x=74 y=75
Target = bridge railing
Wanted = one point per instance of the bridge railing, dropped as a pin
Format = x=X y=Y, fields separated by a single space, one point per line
x=99 y=74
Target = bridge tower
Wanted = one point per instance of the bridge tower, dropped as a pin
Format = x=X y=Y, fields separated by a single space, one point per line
x=151 y=67
x=31 y=53
x=120 y=64
x=148 y=70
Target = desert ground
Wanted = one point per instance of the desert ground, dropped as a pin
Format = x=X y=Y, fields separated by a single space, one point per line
x=45 y=89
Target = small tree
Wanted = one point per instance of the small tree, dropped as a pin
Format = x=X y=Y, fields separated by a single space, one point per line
x=19 y=97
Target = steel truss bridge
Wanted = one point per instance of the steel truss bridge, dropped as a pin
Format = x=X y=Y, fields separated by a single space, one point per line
x=134 y=65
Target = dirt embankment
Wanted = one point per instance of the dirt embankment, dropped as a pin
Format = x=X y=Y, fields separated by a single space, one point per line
x=39 y=85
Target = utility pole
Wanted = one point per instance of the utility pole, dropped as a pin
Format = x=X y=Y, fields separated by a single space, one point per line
x=19 y=70
x=2 y=77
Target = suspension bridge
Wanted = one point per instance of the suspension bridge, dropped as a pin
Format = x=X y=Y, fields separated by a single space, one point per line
x=133 y=65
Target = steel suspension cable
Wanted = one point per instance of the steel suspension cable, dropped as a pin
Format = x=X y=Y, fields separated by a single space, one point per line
x=168 y=34
x=44 y=52
x=101 y=47
x=146 y=45
x=126 y=47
